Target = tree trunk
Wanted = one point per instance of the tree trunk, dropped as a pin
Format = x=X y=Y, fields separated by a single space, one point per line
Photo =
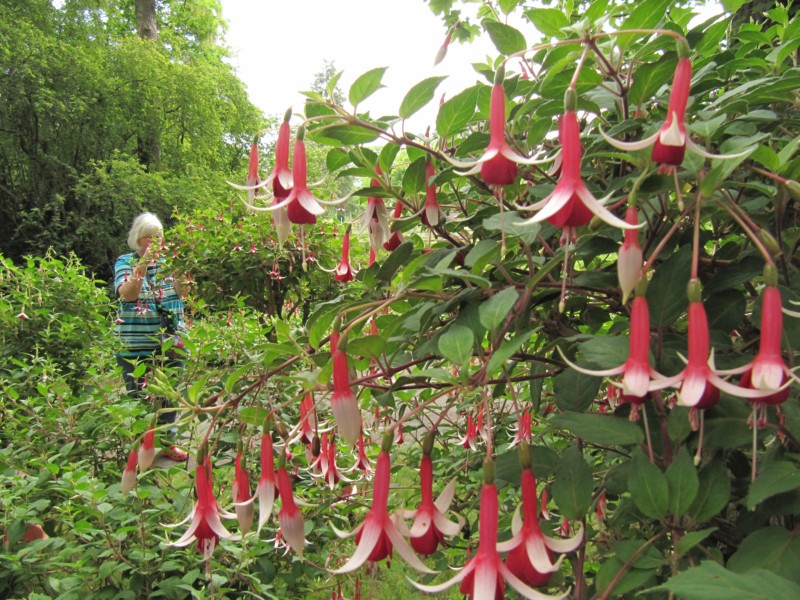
x=146 y=19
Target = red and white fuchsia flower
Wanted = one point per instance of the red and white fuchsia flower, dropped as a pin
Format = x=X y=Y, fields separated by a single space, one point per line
x=571 y=204
x=265 y=490
x=344 y=403
x=431 y=213
x=378 y=535
x=671 y=140
x=430 y=526
x=530 y=551
x=147 y=451
x=376 y=218
x=206 y=526
x=128 y=481
x=344 y=272
x=498 y=165
x=396 y=237
x=290 y=518
x=484 y=576
x=629 y=261
x=243 y=501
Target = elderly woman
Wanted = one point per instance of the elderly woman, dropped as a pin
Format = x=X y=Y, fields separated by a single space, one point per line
x=150 y=306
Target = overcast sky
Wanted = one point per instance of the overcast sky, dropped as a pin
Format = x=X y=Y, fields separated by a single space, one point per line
x=279 y=46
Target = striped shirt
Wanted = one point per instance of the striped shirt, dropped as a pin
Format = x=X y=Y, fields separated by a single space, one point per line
x=139 y=322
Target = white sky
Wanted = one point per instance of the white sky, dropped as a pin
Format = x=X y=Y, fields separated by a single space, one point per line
x=279 y=47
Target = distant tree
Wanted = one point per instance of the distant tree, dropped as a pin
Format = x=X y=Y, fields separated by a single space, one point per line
x=323 y=80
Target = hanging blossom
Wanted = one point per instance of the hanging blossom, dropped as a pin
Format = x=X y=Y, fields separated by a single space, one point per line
x=378 y=535
x=638 y=377
x=470 y=438
x=206 y=526
x=670 y=141
x=523 y=431
x=498 y=165
x=344 y=403
x=571 y=204
x=344 y=272
x=430 y=526
x=530 y=552
x=484 y=575
x=128 y=481
x=700 y=382
x=629 y=262
x=376 y=218
x=147 y=451
x=243 y=502
x=363 y=463
x=397 y=236
x=431 y=213
x=290 y=518
x=266 y=487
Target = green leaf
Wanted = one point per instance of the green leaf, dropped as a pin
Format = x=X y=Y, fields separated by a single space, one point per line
x=691 y=539
x=366 y=85
x=775 y=478
x=253 y=415
x=344 y=134
x=501 y=355
x=394 y=261
x=386 y=158
x=574 y=390
x=456 y=112
x=683 y=483
x=495 y=310
x=336 y=159
x=645 y=15
x=414 y=177
x=605 y=351
x=648 y=487
x=712 y=581
x=648 y=78
x=483 y=252
x=772 y=548
x=456 y=343
x=506 y=39
x=666 y=293
x=573 y=487
x=368 y=345
x=549 y=21
x=419 y=95
x=713 y=492
x=600 y=429
x=720 y=170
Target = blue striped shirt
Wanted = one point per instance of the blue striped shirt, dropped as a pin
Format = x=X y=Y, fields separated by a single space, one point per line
x=138 y=322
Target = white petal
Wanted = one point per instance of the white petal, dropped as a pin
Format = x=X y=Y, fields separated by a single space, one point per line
x=369 y=538
x=524 y=590
x=446 y=497
x=342 y=533
x=596 y=206
x=735 y=390
x=630 y=146
x=310 y=203
x=521 y=160
x=266 y=501
x=337 y=201
x=585 y=371
x=692 y=389
x=537 y=553
x=447 y=527
x=473 y=171
x=188 y=537
x=562 y=546
x=702 y=152
x=484 y=586
x=550 y=205
x=673 y=136
x=400 y=544
x=509 y=545
x=435 y=589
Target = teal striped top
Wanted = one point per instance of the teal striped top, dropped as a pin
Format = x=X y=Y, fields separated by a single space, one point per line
x=138 y=322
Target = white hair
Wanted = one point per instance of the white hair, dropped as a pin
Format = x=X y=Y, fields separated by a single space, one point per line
x=143 y=225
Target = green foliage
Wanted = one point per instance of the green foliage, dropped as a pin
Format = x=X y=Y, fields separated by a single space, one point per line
x=461 y=323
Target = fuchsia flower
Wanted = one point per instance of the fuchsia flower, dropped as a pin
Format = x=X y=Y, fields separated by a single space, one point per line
x=344 y=272
x=289 y=517
x=302 y=207
x=206 y=527
x=129 y=473
x=523 y=432
x=530 y=552
x=700 y=383
x=376 y=218
x=670 y=141
x=431 y=213
x=265 y=490
x=147 y=451
x=498 y=165
x=363 y=462
x=768 y=371
x=308 y=419
x=330 y=472
x=243 y=502
x=378 y=535
x=484 y=575
x=629 y=263
x=430 y=526
x=344 y=403
x=397 y=236
x=571 y=204
x=637 y=374
x=470 y=439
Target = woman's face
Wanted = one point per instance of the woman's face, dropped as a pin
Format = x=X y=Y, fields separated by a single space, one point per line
x=145 y=241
